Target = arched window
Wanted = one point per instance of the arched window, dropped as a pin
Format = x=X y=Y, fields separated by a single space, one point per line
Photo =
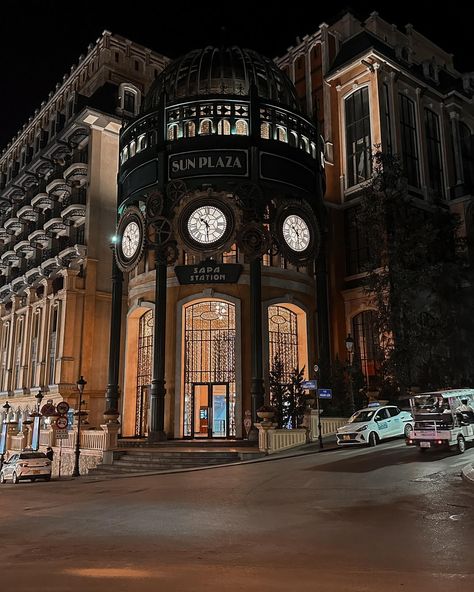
x=144 y=361
x=173 y=132
x=142 y=143
x=209 y=361
x=223 y=127
x=205 y=127
x=265 y=130
x=281 y=134
x=293 y=139
x=124 y=155
x=366 y=344
x=132 y=148
x=305 y=144
x=189 y=129
x=283 y=339
x=241 y=127
x=34 y=347
x=18 y=349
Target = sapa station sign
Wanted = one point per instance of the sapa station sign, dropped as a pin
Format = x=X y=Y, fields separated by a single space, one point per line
x=208 y=163
x=208 y=272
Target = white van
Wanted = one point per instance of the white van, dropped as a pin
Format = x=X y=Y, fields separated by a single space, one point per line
x=442 y=420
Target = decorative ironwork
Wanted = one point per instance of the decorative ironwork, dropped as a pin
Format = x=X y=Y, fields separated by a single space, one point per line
x=209 y=338
x=159 y=231
x=144 y=361
x=283 y=338
x=176 y=190
x=254 y=240
x=154 y=205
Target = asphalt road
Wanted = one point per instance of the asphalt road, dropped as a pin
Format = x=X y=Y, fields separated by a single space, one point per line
x=383 y=519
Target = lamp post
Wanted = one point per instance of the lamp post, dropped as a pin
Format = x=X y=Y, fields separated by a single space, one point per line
x=3 y=434
x=318 y=408
x=81 y=383
x=350 y=351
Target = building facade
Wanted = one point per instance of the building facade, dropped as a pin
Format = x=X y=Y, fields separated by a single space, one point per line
x=57 y=216
x=372 y=87
x=208 y=135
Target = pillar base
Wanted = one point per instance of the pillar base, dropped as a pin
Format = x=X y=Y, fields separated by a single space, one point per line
x=157 y=436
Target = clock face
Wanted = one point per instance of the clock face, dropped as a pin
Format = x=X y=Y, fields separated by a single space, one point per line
x=207 y=224
x=131 y=239
x=296 y=233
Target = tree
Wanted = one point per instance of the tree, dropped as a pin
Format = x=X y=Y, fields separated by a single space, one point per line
x=295 y=399
x=277 y=389
x=415 y=279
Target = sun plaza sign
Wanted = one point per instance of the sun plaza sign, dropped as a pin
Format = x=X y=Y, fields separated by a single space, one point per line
x=208 y=163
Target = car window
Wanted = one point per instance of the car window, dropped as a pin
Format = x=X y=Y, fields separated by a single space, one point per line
x=393 y=411
x=363 y=415
x=30 y=455
x=382 y=414
x=13 y=458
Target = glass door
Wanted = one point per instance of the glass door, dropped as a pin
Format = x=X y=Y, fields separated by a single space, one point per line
x=210 y=410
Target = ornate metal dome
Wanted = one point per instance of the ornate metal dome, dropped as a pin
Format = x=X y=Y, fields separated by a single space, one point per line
x=222 y=71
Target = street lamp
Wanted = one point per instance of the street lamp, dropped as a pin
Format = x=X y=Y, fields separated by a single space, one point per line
x=350 y=351
x=3 y=434
x=39 y=397
x=81 y=383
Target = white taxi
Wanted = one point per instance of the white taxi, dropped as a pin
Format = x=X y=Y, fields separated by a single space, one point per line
x=26 y=465
x=374 y=423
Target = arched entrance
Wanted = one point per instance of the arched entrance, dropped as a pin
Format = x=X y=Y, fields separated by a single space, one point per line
x=144 y=361
x=209 y=370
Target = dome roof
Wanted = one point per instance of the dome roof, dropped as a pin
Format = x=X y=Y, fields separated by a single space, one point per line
x=222 y=71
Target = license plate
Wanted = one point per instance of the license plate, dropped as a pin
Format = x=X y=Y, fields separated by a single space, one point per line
x=346 y=437
x=425 y=444
x=36 y=472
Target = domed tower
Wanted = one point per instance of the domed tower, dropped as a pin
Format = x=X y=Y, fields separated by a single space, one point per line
x=219 y=205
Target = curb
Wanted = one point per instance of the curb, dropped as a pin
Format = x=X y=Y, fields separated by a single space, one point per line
x=468 y=473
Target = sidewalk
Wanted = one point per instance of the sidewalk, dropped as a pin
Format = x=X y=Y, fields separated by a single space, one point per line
x=468 y=473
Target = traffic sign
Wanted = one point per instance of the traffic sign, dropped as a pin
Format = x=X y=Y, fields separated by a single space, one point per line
x=62 y=434
x=325 y=393
x=62 y=407
x=61 y=422
x=310 y=384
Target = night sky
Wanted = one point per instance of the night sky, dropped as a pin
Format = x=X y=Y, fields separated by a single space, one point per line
x=41 y=39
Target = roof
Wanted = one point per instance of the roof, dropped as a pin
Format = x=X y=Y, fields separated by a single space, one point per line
x=467 y=392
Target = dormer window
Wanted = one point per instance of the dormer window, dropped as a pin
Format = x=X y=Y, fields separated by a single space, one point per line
x=129 y=101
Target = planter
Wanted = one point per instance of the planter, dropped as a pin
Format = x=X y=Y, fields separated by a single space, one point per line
x=265 y=414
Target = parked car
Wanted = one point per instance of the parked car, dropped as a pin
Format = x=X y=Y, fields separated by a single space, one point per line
x=374 y=423
x=26 y=465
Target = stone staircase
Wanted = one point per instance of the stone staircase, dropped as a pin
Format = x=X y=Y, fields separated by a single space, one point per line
x=145 y=458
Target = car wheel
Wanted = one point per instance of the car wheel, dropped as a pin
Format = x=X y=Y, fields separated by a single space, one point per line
x=15 y=479
x=373 y=439
x=47 y=478
x=2 y=478
x=33 y=479
x=407 y=430
x=461 y=444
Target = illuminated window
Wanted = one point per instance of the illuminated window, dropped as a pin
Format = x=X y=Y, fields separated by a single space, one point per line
x=53 y=338
x=124 y=155
x=209 y=356
x=144 y=362
x=18 y=349
x=5 y=340
x=142 y=143
x=265 y=130
x=241 y=127
x=223 y=127
x=231 y=255
x=281 y=134
x=189 y=129
x=205 y=127
x=132 y=148
x=34 y=348
x=172 y=132
x=305 y=144
x=283 y=338
x=358 y=142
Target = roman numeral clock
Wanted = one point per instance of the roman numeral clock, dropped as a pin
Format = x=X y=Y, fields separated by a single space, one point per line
x=130 y=239
x=206 y=224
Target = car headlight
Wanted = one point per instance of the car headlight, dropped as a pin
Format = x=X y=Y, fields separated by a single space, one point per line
x=362 y=428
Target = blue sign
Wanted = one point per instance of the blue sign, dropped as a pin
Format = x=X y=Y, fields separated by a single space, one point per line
x=325 y=393
x=310 y=384
x=3 y=438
